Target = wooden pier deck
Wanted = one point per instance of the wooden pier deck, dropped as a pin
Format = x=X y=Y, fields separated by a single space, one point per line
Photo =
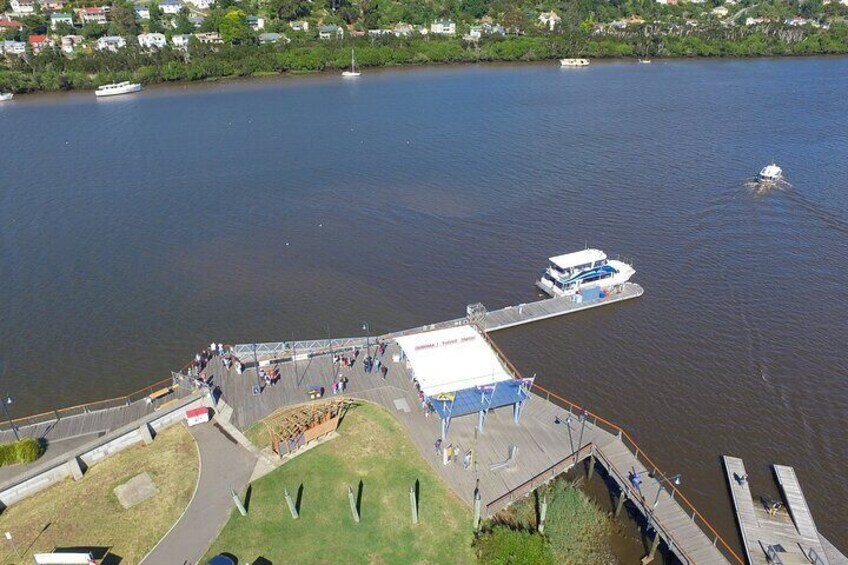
x=545 y=448
x=512 y=316
x=787 y=536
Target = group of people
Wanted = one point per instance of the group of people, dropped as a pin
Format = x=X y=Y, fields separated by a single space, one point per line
x=425 y=402
x=339 y=385
x=271 y=376
x=370 y=364
x=202 y=358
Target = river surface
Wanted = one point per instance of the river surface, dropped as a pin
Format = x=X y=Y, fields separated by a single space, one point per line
x=137 y=229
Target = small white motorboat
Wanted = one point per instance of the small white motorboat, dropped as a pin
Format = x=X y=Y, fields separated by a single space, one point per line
x=352 y=73
x=771 y=174
x=6 y=96
x=645 y=61
x=574 y=62
x=117 y=88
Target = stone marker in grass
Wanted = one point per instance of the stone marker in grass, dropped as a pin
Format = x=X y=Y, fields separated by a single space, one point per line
x=136 y=490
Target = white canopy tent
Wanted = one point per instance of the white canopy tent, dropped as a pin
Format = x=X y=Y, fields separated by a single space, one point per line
x=452 y=359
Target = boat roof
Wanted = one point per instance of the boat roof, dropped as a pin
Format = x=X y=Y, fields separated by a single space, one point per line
x=578 y=258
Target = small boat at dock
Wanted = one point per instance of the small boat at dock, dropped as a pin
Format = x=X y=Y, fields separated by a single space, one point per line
x=118 y=88
x=573 y=272
x=770 y=174
x=4 y=96
x=574 y=62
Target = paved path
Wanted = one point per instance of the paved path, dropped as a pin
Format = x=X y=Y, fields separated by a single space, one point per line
x=224 y=465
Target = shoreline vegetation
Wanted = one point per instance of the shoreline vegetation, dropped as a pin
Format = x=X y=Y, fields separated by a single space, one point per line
x=54 y=72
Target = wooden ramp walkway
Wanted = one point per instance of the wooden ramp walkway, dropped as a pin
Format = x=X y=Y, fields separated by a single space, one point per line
x=512 y=316
x=545 y=447
x=66 y=433
x=788 y=535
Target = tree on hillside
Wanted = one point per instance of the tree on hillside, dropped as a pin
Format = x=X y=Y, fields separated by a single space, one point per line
x=233 y=27
x=288 y=9
x=185 y=27
x=122 y=19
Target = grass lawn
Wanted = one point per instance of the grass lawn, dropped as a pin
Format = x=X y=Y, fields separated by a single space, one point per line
x=373 y=448
x=87 y=513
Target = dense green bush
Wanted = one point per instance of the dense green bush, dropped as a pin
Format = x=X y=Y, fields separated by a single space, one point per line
x=26 y=450
x=504 y=546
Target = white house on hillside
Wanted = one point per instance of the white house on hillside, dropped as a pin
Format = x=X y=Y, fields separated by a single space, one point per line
x=171 y=7
x=13 y=47
x=181 y=41
x=443 y=27
x=142 y=12
x=549 y=19
x=330 y=32
x=201 y=4
x=152 y=41
x=93 y=15
x=299 y=26
x=111 y=43
x=70 y=43
x=61 y=18
x=22 y=6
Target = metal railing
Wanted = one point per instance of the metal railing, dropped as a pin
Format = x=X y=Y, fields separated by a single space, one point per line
x=97 y=405
x=633 y=447
x=278 y=350
x=590 y=449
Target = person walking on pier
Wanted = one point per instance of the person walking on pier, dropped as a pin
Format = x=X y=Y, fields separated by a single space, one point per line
x=385 y=371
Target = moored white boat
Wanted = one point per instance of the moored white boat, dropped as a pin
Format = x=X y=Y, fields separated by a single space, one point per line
x=645 y=61
x=115 y=89
x=771 y=173
x=6 y=96
x=352 y=73
x=570 y=273
x=574 y=62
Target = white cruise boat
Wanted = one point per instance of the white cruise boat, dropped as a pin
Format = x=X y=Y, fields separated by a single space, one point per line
x=6 y=96
x=568 y=274
x=125 y=87
x=352 y=73
x=771 y=173
x=574 y=62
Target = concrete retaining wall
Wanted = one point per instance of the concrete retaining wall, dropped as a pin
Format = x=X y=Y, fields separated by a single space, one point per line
x=76 y=462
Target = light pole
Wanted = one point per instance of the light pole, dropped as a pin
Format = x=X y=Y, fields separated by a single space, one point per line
x=366 y=327
x=258 y=388
x=673 y=479
x=583 y=417
x=6 y=401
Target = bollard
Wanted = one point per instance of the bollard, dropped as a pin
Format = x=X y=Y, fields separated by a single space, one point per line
x=543 y=511
x=290 y=502
x=353 y=509
x=477 y=504
x=621 y=498
x=239 y=505
x=413 y=504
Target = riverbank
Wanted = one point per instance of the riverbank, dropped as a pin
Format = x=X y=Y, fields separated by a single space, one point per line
x=51 y=74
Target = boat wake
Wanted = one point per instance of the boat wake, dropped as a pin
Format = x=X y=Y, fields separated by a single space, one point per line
x=830 y=219
x=757 y=186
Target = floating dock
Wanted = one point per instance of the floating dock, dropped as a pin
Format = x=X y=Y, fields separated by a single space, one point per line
x=512 y=316
x=777 y=532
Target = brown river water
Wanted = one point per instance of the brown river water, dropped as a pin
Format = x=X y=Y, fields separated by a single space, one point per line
x=135 y=230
